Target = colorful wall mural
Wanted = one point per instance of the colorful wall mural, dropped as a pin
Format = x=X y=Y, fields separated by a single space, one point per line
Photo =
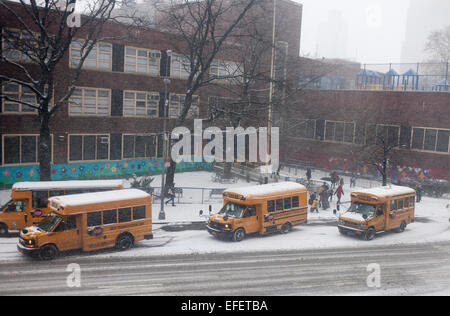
x=93 y=170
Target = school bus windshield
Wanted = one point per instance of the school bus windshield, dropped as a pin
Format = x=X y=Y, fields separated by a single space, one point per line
x=48 y=223
x=232 y=210
x=362 y=208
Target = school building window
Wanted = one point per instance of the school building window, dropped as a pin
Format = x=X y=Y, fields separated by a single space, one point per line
x=180 y=67
x=142 y=61
x=341 y=132
x=21 y=149
x=17 y=45
x=140 y=103
x=380 y=134
x=88 y=147
x=100 y=57
x=226 y=70
x=139 y=146
x=90 y=101
x=19 y=93
x=305 y=129
x=176 y=102
x=429 y=139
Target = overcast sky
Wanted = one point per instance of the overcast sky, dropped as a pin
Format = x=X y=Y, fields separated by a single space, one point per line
x=375 y=28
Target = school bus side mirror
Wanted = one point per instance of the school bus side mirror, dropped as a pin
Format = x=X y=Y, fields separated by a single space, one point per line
x=210 y=209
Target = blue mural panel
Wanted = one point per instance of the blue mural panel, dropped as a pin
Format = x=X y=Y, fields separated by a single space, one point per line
x=93 y=170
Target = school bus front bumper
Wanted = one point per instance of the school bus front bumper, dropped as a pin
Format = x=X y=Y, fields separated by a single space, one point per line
x=351 y=230
x=27 y=250
x=219 y=230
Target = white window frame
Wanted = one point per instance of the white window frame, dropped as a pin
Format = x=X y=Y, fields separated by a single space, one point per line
x=424 y=137
x=97 y=59
x=130 y=104
x=22 y=57
x=84 y=106
x=145 y=62
x=182 y=71
x=194 y=111
x=20 y=106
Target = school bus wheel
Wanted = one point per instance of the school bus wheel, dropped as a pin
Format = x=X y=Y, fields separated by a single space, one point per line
x=124 y=241
x=402 y=227
x=239 y=234
x=3 y=229
x=286 y=228
x=370 y=234
x=48 y=252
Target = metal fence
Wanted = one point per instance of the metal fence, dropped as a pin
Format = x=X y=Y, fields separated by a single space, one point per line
x=426 y=76
x=193 y=195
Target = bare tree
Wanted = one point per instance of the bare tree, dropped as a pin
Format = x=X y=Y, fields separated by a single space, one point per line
x=201 y=29
x=47 y=29
x=438 y=45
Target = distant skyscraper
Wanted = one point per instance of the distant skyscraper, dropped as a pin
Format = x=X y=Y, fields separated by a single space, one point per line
x=424 y=16
x=332 y=36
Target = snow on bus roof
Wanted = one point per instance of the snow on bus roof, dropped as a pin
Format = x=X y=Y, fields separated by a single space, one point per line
x=387 y=191
x=59 y=185
x=98 y=197
x=266 y=189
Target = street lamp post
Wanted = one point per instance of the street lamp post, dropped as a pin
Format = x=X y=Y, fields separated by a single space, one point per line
x=162 y=214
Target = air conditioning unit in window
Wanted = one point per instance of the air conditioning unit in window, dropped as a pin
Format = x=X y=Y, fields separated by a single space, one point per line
x=104 y=140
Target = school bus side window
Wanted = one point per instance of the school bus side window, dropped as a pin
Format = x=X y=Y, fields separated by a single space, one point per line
x=400 y=204
x=251 y=211
x=109 y=217
x=17 y=206
x=138 y=212
x=94 y=219
x=393 y=205
x=406 y=202
x=271 y=206
x=287 y=203
x=279 y=205
x=124 y=215
x=411 y=201
x=68 y=223
x=40 y=199
x=295 y=202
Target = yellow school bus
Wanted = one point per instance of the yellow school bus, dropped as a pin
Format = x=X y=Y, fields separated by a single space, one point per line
x=90 y=221
x=378 y=210
x=28 y=202
x=260 y=210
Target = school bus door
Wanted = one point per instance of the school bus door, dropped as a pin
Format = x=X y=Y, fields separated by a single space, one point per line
x=69 y=233
x=14 y=215
x=250 y=220
x=380 y=218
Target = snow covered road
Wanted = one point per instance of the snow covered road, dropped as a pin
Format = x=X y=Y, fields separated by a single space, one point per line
x=419 y=269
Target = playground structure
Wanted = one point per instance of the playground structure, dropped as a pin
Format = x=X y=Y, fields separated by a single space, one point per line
x=425 y=77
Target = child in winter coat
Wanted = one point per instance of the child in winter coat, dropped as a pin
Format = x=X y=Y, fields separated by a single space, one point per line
x=315 y=206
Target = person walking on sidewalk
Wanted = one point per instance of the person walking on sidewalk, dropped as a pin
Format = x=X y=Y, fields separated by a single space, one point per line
x=339 y=193
x=171 y=194
x=308 y=175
